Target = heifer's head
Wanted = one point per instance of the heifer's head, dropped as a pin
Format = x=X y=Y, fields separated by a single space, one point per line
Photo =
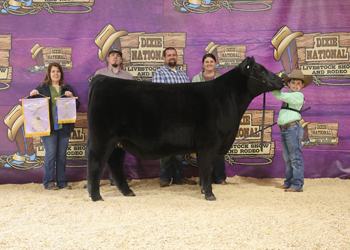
x=259 y=79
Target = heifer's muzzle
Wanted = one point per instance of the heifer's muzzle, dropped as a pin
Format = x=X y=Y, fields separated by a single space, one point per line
x=267 y=81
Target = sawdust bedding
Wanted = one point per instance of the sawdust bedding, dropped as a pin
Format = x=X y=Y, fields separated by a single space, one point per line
x=249 y=213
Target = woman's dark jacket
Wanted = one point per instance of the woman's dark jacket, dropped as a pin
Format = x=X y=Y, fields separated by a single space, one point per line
x=45 y=90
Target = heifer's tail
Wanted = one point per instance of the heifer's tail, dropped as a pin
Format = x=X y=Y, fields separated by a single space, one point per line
x=95 y=82
x=92 y=86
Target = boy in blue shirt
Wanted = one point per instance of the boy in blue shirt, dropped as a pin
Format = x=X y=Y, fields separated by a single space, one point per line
x=291 y=130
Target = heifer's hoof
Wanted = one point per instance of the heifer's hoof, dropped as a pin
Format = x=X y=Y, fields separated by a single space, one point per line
x=210 y=197
x=202 y=191
x=130 y=194
x=96 y=198
x=127 y=192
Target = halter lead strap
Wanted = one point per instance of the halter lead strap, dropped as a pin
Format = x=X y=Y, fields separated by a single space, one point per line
x=267 y=82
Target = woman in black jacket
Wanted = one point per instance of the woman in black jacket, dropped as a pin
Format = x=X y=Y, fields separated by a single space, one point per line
x=57 y=142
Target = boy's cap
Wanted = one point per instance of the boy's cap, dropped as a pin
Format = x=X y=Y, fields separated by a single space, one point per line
x=297 y=74
x=116 y=51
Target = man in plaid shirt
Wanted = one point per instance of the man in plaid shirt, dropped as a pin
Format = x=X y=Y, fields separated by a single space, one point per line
x=171 y=167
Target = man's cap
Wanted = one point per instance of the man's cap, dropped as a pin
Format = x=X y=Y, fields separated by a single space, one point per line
x=116 y=51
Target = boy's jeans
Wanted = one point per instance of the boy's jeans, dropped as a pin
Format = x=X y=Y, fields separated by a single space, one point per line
x=291 y=143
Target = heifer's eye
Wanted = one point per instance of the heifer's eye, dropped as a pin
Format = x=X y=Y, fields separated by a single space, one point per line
x=248 y=67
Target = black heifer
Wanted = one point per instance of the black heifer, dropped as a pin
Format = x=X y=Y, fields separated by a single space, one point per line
x=151 y=120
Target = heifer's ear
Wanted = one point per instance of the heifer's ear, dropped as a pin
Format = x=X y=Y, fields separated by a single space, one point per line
x=245 y=62
x=250 y=63
x=250 y=60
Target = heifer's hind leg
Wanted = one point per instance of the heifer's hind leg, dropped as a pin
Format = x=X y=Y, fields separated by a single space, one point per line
x=94 y=170
x=205 y=163
x=116 y=167
x=96 y=162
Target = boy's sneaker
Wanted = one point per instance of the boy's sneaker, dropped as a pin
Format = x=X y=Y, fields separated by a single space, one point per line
x=51 y=186
x=282 y=187
x=293 y=190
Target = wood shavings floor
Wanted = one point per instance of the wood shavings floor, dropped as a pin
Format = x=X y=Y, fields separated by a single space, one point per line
x=249 y=214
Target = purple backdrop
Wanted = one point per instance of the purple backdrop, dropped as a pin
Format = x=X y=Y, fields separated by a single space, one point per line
x=254 y=29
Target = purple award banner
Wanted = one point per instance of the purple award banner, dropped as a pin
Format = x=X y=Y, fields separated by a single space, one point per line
x=66 y=110
x=282 y=35
x=36 y=117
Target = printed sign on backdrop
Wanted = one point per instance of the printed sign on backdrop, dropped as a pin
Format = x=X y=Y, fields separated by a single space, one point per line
x=323 y=134
x=325 y=56
x=36 y=117
x=142 y=52
x=43 y=56
x=5 y=68
x=250 y=147
x=228 y=56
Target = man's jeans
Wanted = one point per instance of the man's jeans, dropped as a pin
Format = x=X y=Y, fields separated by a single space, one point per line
x=55 y=152
x=291 y=143
x=171 y=167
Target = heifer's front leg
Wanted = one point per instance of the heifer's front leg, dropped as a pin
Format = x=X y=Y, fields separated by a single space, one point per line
x=205 y=164
x=116 y=167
